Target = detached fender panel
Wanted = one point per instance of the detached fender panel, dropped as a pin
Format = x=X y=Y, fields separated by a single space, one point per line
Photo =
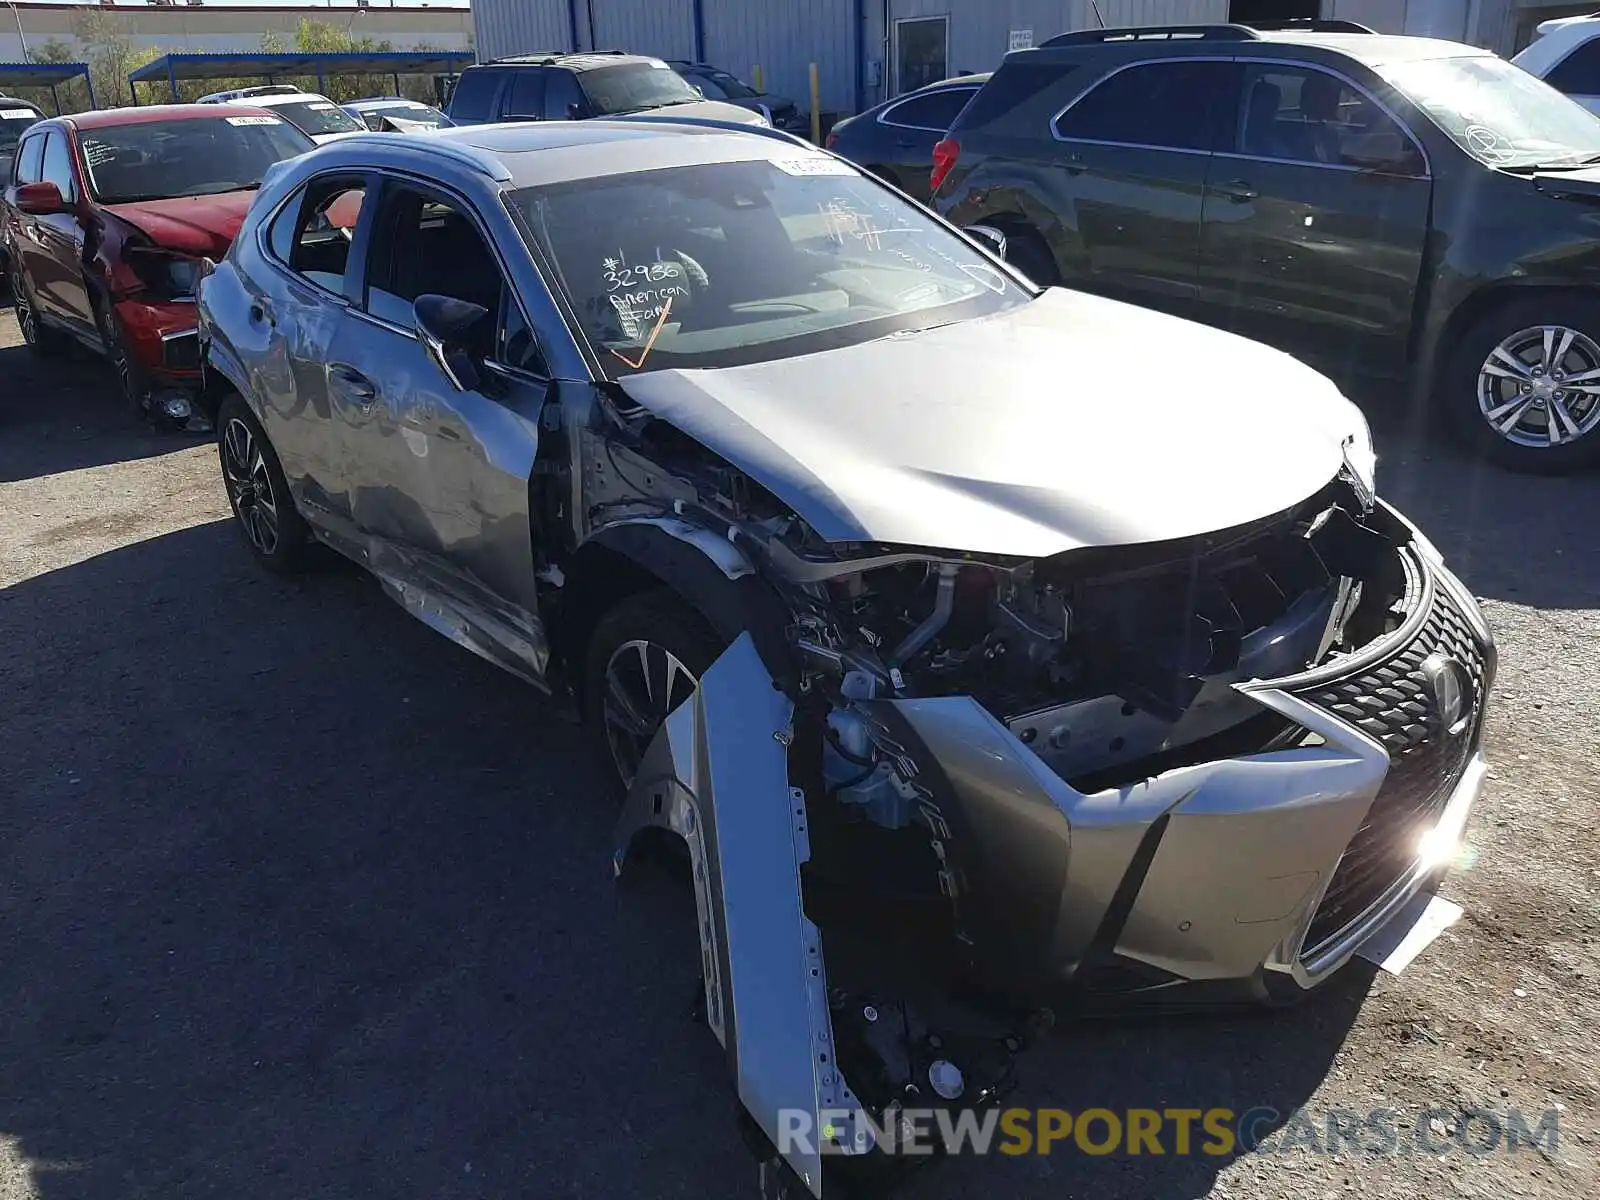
x=717 y=775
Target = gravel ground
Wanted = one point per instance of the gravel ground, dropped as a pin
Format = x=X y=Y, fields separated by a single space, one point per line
x=298 y=899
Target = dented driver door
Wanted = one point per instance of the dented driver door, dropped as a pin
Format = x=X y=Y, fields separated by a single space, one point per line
x=441 y=465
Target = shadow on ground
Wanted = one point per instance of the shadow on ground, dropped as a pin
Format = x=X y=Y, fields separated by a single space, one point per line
x=66 y=413
x=301 y=899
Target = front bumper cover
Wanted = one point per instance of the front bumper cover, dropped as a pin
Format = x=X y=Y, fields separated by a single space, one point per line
x=1246 y=877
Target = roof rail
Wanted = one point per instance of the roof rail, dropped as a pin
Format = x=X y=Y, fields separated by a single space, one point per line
x=1309 y=25
x=1153 y=33
x=481 y=161
x=532 y=56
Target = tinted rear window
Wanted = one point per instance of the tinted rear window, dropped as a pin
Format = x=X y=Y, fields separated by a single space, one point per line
x=1182 y=105
x=1012 y=84
x=474 y=95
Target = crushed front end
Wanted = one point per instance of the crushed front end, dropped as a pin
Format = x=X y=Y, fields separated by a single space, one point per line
x=979 y=794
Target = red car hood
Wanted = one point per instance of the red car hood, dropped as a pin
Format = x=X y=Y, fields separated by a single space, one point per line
x=202 y=225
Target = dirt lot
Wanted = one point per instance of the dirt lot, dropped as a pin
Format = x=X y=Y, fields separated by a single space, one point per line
x=297 y=899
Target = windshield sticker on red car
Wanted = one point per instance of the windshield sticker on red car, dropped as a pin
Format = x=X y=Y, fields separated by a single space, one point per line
x=814 y=166
x=320 y=107
x=253 y=120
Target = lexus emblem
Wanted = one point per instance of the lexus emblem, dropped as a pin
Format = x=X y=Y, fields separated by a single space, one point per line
x=1449 y=689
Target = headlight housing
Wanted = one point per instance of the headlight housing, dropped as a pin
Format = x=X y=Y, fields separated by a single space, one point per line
x=170 y=276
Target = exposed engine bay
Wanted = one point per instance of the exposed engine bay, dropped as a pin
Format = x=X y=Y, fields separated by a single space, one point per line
x=1113 y=666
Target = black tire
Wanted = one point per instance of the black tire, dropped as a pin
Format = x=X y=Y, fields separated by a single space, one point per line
x=131 y=379
x=663 y=622
x=1479 y=379
x=36 y=335
x=1027 y=252
x=251 y=473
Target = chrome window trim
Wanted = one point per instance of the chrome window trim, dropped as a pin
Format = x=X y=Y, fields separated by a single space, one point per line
x=193 y=331
x=387 y=176
x=883 y=117
x=1298 y=63
x=1302 y=64
x=1110 y=75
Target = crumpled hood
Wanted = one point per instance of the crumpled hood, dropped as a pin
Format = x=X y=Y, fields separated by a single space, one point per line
x=1071 y=421
x=200 y=225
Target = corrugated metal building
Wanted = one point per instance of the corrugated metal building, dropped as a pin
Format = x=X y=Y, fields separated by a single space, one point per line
x=866 y=49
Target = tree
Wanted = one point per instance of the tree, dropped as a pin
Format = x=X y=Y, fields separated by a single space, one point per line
x=51 y=50
x=110 y=52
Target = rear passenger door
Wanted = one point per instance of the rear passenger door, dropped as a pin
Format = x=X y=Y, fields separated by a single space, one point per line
x=1316 y=216
x=1133 y=152
x=298 y=313
x=443 y=502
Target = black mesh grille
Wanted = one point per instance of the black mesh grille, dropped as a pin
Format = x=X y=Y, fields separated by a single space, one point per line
x=181 y=353
x=1394 y=704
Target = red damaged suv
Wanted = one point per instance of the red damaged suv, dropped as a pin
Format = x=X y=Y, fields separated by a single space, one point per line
x=109 y=220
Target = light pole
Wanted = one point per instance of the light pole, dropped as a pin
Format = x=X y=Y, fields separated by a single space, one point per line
x=21 y=37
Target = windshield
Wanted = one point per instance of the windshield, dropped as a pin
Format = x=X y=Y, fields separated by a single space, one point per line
x=317 y=117
x=420 y=113
x=733 y=88
x=633 y=87
x=13 y=121
x=1497 y=112
x=158 y=160
x=730 y=263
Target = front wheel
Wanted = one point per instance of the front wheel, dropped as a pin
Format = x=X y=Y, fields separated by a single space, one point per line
x=1522 y=386
x=257 y=490
x=645 y=659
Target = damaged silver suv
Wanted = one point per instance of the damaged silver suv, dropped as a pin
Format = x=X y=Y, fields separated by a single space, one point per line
x=994 y=651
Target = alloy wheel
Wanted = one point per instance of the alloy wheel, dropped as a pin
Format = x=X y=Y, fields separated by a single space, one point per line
x=644 y=682
x=27 y=323
x=1540 y=387
x=250 y=486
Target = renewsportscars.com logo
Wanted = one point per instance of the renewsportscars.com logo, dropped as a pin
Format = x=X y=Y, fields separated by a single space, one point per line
x=1215 y=1132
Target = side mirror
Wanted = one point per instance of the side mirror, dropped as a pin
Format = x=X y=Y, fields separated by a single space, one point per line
x=574 y=111
x=990 y=238
x=445 y=326
x=40 y=199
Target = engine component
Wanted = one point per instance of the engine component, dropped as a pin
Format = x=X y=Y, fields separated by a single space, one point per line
x=943 y=603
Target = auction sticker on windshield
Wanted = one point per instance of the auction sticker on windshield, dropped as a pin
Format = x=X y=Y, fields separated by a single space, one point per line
x=16 y=114
x=814 y=166
x=252 y=120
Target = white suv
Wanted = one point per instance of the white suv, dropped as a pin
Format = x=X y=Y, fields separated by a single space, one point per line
x=1565 y=53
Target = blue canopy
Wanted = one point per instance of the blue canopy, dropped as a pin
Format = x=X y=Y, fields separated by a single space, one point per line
x=45 y=75
x=173 y=67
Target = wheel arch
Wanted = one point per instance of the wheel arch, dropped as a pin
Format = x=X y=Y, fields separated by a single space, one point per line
x=1472 y=309
x=624 y=559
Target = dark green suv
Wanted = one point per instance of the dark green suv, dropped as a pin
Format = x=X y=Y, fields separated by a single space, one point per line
x=1396 y=207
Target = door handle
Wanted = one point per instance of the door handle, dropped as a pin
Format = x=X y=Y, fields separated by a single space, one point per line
x=1238 y=191
x=260 y=313
x=353 y=383
x=1074 y=163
